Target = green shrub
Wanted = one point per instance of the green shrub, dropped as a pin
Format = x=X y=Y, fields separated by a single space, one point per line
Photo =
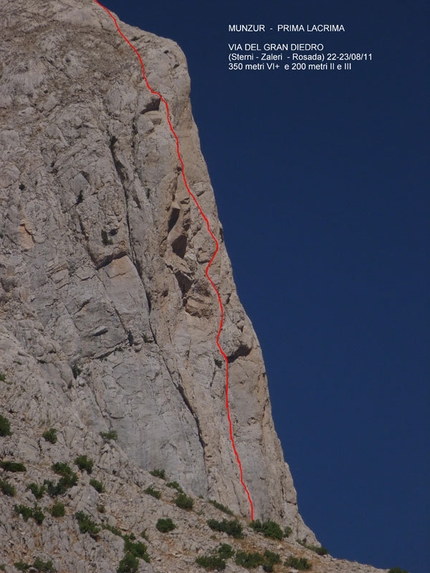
x=13 y=466
x=2 y=377
x=84 y=463
x=211 y=562
x=184 y=501
x=106 y=240
x=26 y=512
x=76 y=371
x=23 y=510
x=54 y=489
x=272 y=530
x=62 y=469
x=320 y=549
x=38 y=515
x=300 y=563
x=158 y=473
x=97 y=485
x=165 y=525
x=87 y=525
x=67 y=481
x=50 y=435
x=128 y=564
x=288 y=531
x=225 y=551
x=154 y=492
x=63 y=484
x=111 y=435
x=132 y=548
x=175 y=485
x=253 y=560
x=270 y=559
x=58 y=509
x=21 y=566
x=397 y=570
x=112 y=529
x=221 y=507
x=249 y=560
x=268 y=529
x=7 y=488
x=135 y=548
x=43 y=566
x=4 y=426
x=232 y=527
x=37 y=490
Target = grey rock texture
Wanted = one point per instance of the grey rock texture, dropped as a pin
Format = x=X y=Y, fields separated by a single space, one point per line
x=104 y=255
x=107 y=321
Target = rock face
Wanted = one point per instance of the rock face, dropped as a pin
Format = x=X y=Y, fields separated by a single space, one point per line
x=103 y=257
x=107 y=320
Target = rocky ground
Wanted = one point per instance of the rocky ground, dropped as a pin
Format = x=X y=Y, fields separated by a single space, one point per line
x=123 y=506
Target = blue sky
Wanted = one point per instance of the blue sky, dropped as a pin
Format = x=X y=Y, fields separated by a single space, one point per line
x=322 y=185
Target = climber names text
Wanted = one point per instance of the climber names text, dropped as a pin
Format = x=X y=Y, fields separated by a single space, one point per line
x=303 y=47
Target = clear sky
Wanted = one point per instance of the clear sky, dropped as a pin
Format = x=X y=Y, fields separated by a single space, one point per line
x=322 y=184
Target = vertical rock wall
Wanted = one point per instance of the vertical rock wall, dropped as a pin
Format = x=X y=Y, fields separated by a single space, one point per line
x=102 y=256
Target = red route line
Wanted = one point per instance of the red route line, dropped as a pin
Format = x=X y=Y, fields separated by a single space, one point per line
x=221 y=307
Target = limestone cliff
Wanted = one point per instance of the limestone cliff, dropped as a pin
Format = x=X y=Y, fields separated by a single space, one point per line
x=107 y=321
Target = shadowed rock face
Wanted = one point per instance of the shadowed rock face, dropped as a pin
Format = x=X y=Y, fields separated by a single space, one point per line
x=102 y=260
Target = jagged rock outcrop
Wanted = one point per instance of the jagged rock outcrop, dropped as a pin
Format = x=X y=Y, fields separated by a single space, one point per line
x=107 y=321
